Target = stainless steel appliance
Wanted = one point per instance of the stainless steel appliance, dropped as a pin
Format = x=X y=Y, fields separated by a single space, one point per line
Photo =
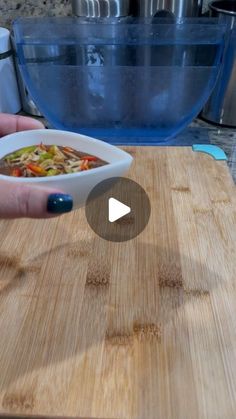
x=101 y=8
x=177 y=8
x=48 y=55
x=221 y=107
x=27 y=102
x=9 y=95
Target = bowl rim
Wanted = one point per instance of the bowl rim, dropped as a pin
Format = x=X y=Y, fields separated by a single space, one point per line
x=127 y=158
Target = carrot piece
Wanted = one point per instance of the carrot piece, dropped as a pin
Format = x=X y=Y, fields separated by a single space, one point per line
x=84 y=166
x=16 y=172
x=69 y=149
x=37 y=170
x=89 y=158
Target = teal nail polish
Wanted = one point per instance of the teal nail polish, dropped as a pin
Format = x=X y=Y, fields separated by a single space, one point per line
x=59 y=203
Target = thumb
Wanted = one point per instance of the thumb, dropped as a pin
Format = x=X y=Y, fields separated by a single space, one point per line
x=22 y=200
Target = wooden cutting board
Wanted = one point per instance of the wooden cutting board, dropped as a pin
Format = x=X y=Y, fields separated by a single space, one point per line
x=144 y=329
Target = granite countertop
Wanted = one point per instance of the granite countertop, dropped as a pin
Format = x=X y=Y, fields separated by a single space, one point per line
x=205 y=133
x=12 y=9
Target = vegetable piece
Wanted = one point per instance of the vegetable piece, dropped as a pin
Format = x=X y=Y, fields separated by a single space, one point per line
x=53 y=172
x=84 y=165
x=20 y=152
x=37 y=170
x=89 y=158
x=68 y=149
x=53 y=149
x=59 y=159
x=45 y=156
x=16 y=172
x=42 y=147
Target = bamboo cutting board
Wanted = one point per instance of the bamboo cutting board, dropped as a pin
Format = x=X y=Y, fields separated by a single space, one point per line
x=144 y=329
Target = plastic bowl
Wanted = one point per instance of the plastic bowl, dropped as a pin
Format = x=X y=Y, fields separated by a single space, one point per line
x=79 y=185
x=120 y=81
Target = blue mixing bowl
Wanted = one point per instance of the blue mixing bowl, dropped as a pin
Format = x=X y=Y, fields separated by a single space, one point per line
x=128 y=82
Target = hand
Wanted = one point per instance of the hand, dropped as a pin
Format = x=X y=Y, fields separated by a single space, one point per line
x=21 y=200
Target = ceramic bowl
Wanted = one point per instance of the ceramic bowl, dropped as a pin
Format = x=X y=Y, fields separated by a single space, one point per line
x=79 y=185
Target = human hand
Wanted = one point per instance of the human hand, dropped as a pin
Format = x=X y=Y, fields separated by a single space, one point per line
x=21 y=200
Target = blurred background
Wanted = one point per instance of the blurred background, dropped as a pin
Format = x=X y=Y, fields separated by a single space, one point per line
x=12 y=9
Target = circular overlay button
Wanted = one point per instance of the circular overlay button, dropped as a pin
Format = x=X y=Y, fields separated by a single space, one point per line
x=118 y=209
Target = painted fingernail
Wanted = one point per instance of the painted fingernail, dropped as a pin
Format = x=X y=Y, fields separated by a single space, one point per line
x=59 y=203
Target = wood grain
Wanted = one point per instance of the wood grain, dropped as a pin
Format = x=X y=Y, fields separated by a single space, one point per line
x=142 y=329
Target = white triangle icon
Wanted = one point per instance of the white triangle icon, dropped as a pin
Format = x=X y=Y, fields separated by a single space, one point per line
x=117 y=210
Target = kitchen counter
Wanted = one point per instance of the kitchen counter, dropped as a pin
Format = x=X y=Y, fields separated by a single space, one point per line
x=202 y=132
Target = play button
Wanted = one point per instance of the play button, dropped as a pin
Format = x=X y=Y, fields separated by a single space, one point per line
x=118 y=209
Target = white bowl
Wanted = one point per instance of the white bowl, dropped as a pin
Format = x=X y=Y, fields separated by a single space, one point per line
x=79 y=185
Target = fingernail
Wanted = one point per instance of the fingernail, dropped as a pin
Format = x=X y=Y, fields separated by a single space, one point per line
x=59 y=203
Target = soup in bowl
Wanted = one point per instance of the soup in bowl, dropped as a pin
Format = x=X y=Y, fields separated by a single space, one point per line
x=71 y=162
